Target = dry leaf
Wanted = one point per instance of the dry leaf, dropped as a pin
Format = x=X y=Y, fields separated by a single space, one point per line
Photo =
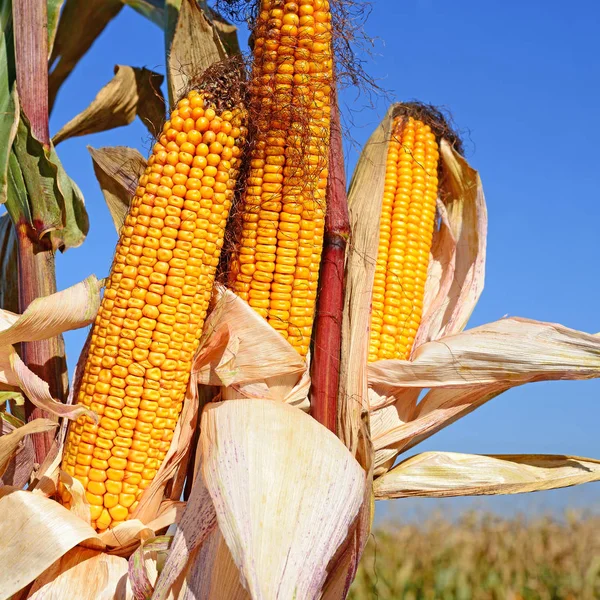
x=445 y=474
x=83 y=574
x=364 y=203
x=9 y=443
x=79 y=26
x=198 y=521
x=132 y=91
x=196 y=47
x=259 y=456
x=239 y=347
x=118 y=170
x=211 y=573
x=35 y=519
x=52 y=315
x=143 y=570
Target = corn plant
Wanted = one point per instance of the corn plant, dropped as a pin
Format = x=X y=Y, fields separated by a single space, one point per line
x=213 y=443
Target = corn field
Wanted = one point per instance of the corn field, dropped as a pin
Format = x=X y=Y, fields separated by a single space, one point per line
x=483 y=557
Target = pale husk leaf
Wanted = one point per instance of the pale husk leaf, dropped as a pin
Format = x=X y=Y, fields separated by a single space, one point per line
x=35 y=388
x=364 y=204
x=445 y=474
x=117 y=170
x=9 y=443
x=143 y=567
x=195 y=47
x=439 y=408
x=291 y=462
x=17 y=471
x=464 y=225
x=84 y=574
x=198 y=521
x=132 y=91
x=239 y=347
x=211 y=573
x=511 y=351
x=35 y=519
x=52 y=315
x=79 y=503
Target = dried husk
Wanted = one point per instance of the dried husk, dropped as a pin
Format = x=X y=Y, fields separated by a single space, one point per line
x=132 y=91
x=84 y=574
x=259 y=456
x=446 y=474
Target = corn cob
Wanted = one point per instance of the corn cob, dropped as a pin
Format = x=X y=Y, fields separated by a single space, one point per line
x=406 y=232
x=154 y=307
x=276 y=269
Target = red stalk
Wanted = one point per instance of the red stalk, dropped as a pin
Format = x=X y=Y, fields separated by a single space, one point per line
x=30 y=20
x=37 y=276
x=46 y=358
x=330 y=304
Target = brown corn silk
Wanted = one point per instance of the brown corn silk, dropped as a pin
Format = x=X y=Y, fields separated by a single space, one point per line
x=154 y=306
x=405 y=236
x=276 y=265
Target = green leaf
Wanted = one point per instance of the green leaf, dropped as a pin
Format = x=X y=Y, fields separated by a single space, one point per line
x=38 y=176
x=80 y=24
x=9 y=290
x=132 y=91
x=9 y=105
x=42 y=194
x=16 y=396
x=151 y=9
x=54 y=7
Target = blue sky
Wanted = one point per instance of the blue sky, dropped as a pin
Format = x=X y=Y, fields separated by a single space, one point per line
x=521 y=80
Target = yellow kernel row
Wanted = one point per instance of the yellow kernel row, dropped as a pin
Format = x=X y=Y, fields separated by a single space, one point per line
x=405 y=237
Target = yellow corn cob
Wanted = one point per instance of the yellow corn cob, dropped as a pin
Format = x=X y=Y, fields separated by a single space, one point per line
x=406 y=231
x=276 y=269
x=153 y=309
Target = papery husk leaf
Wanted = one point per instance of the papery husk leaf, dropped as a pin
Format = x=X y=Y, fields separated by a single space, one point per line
x=195 y=47
x=79 y=26
x=37 y=390
x=226 y=30
x=143 y=570
x=9 y=443
x=132 y=91
x=19 y=468
x=280 y=553
x=211 y=574
x=447 y=474
x=118 y=170
x=84 y=574
x=511 y=351
x=79 y=503
x=9 y=290
x=364 y=204
x=72 y=308
x=439 y=408
x=239 y=347
x=463 y=199
x=198 y=521
x=34 y=519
